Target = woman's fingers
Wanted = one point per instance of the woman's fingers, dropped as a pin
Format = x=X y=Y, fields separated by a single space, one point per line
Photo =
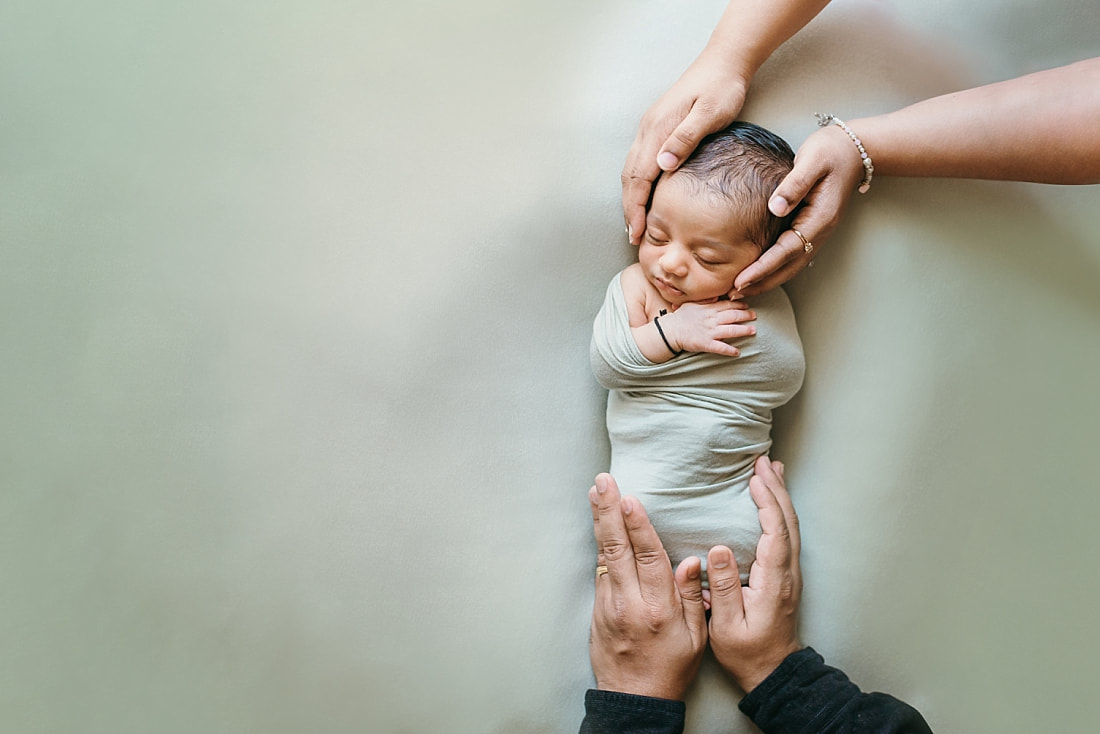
x=704 y=117
x=639 y=173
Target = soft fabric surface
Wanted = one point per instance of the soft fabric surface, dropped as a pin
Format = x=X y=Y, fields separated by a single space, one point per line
x=685 y=433
x=298 y=418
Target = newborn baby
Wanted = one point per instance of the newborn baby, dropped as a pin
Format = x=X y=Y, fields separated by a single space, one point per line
x=692 y=382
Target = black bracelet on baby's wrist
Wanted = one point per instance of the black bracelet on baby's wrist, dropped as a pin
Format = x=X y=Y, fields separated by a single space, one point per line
x=657 y=323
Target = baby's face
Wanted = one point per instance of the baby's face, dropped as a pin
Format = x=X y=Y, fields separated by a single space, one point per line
x=694 y=244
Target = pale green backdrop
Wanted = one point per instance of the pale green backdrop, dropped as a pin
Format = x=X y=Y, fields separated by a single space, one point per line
x=297 y=420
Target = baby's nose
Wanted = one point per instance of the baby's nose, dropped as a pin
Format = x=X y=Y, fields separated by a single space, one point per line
x=674 y=262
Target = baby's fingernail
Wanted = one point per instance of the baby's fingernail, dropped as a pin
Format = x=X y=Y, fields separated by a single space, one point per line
x=627 y=505
x=667 y=161
x=601 y=484
x=779 y=206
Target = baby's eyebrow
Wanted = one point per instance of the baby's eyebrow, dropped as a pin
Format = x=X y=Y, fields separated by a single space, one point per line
x=713 y=244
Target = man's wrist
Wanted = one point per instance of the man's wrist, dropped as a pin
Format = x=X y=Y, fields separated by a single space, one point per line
x=664 y=690
x=762 y=668
x=609 y=712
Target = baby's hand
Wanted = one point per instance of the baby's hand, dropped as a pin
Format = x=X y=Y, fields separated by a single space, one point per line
x=703 y=327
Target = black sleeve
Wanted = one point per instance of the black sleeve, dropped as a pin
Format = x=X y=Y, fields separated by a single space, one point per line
x=805 y=695
x=608 y=712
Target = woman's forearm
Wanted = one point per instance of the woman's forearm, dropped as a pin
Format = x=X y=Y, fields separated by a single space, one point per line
x=1043 y=127
x=750 y=30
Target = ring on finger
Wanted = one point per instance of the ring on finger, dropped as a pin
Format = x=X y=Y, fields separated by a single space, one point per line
x=600 y=571
x=806 y=244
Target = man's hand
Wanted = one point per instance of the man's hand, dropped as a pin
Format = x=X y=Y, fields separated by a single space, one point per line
x=754 y=628
x=648 y=626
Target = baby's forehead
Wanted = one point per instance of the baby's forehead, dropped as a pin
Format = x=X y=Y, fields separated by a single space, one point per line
x=678 y=195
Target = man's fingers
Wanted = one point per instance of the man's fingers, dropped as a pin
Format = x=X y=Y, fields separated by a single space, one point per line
x=772 y=472
x=727 y=605
x=690 y=585
x=653 y=569
x=612 y=538
x=774 y=553
x=594 y=506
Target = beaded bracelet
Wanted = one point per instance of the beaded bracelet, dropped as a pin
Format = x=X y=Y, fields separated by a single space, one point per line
x=868 y=167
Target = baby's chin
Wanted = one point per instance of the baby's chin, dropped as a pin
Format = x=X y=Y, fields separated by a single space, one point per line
x=708 y=299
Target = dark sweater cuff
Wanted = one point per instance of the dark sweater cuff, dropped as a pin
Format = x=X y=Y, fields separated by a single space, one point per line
x=768 y=691
x=611 y=712
x=805 y=695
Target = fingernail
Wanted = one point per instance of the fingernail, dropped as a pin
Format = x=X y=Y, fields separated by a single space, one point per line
x=779 y=206
x=629 y=232
x=752 y=330
x=720 y=559
x=693 y=571
x=601 y=484
x=628 y=505
x=667 y=161
x=592 y=495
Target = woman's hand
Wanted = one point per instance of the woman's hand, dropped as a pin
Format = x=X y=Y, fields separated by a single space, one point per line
x=827 y=170
x=648 y=626
x=754 y=628
x=705 y=99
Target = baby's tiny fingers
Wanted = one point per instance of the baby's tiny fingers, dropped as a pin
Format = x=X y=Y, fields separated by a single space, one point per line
x=736 y=331
x=720 y=347
x=737 y=316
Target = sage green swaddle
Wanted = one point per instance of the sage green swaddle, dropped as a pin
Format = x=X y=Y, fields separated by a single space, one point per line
x=686 y=433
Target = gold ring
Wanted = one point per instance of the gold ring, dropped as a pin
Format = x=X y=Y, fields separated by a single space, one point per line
x=806 y=244
x=600 y=571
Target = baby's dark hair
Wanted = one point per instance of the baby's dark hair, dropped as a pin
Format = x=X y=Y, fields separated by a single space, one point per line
x=744 y=163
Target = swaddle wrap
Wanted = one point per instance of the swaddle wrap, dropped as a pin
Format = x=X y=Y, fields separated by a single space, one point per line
x=686 y=433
